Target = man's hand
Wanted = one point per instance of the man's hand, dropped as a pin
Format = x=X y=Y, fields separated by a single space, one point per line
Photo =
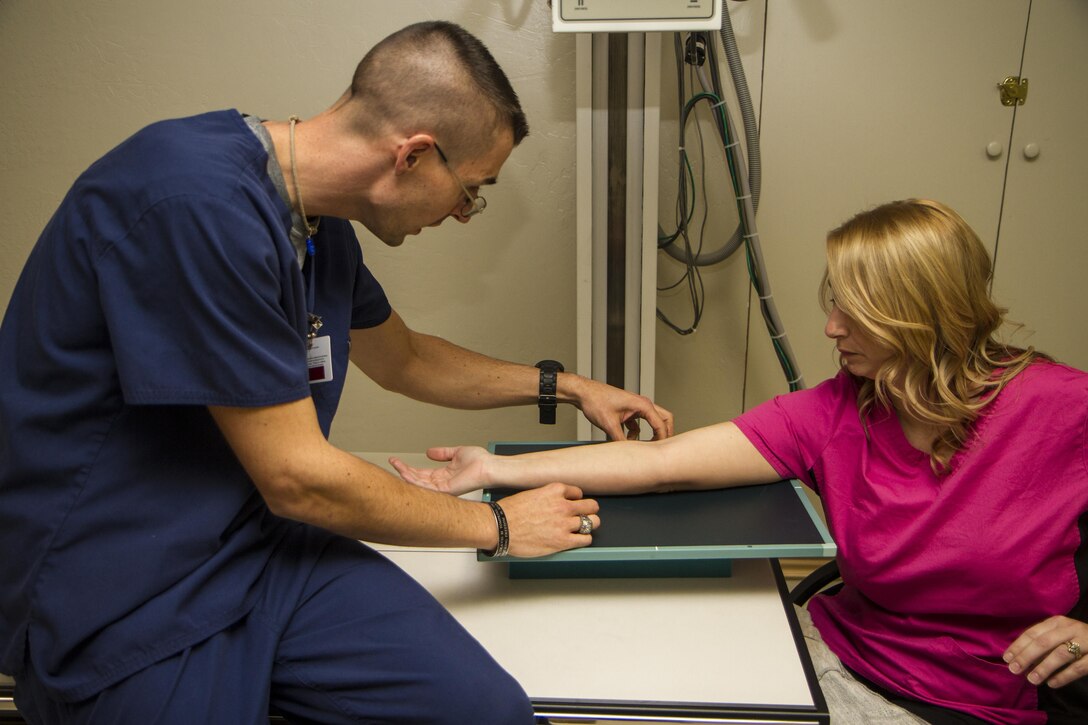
x=542 y=520
x=616 y=411
x=1050 y=652
x=546 y=520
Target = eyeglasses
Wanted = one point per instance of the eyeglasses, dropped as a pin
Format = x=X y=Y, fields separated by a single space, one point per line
x=474 y=203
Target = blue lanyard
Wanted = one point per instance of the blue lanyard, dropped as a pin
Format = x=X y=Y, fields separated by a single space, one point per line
x=311 y=287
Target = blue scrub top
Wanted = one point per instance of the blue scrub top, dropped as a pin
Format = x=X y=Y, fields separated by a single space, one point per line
x=164 y=283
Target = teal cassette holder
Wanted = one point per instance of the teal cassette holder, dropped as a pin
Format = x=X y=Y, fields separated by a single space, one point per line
x=679 y=534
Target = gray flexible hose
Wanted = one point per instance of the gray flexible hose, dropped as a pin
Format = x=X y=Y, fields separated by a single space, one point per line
x=751 y=142
x=768 y=308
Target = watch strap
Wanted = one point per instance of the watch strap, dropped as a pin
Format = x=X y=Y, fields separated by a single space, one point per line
x=546 y=399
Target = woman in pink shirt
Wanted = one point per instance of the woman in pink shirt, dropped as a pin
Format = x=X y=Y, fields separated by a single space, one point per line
x=953 y=470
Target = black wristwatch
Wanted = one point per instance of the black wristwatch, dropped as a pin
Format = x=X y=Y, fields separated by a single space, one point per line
x=549 y=374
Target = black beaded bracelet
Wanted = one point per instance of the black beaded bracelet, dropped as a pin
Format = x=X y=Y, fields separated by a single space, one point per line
x=504 y=531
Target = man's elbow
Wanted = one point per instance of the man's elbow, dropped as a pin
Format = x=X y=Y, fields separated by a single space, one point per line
x=285 y=494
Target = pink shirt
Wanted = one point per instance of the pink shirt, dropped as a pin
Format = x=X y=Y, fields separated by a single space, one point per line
x=941 y=574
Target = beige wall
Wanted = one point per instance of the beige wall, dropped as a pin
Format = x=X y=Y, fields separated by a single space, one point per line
x=78 y=77
x=860 y=102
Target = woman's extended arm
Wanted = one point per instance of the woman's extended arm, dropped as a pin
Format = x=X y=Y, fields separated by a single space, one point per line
x=713 y=457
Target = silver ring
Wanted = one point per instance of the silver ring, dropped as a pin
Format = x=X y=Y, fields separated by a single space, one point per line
x=587 y=525
x=1073 y=648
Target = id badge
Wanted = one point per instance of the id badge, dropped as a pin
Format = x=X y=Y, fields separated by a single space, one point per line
x=319 y=360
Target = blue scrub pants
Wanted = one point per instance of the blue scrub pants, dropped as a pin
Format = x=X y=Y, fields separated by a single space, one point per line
x=339 y=635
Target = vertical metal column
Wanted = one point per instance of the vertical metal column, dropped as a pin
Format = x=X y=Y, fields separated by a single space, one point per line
x=617 y=116
x=616 y=244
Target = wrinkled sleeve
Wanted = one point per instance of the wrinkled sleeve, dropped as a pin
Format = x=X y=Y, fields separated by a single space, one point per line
x=198 y=309
x=791 y=431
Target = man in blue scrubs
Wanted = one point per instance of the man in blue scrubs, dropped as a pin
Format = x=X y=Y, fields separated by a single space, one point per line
x=178 y=539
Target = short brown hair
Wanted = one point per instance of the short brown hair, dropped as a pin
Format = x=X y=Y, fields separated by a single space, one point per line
x=432 y=77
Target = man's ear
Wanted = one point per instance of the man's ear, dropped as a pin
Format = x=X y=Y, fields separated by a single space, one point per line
x=411 y=151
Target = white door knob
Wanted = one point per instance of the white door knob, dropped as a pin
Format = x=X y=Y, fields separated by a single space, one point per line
x=1031 y=151
x=994 y=149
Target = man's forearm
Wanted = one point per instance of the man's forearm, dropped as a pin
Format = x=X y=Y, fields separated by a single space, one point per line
x=359 y=500
x=303 y=477
x=367 y=503
x=446 y=374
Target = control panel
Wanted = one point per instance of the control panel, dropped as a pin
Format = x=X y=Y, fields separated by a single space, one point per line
x=635 y=16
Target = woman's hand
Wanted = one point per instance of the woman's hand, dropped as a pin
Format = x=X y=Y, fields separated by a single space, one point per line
x=1050 y=652
x=464 y=473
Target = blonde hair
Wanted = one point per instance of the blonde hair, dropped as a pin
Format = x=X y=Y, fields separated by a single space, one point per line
x=916 y=278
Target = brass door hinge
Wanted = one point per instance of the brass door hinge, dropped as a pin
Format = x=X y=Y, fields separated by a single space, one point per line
x=1014 y=91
